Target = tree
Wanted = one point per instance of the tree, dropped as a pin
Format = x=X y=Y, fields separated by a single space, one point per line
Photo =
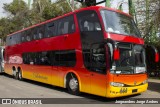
x=18 y=13
x=16 y=7
x=44 y=9
x=148 y=20
x=148 y=17
x=16 y=20
x=38 y=10
x=58 y=8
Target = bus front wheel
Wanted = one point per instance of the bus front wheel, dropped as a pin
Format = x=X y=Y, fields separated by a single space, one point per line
x=72 y=84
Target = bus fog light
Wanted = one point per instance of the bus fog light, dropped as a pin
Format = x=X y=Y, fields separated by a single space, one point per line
x=116 y=84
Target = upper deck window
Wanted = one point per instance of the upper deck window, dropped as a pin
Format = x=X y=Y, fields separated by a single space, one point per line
x=59 y=27
x=66 y=25
x=118 y=23
x=88 y=21
x=51 y=29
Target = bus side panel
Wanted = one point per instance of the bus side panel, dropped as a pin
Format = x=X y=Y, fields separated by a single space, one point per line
x=8 y=68
x=82 y=75
x=44 y=74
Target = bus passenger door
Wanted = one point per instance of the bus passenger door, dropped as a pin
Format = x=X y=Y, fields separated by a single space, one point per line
x=98 y=67
x=91 y=34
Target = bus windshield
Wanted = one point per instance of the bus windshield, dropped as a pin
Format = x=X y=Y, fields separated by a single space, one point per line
x=132 y=59
x=119 y=23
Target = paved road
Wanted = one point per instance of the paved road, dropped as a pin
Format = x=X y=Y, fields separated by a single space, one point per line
x=11 y=88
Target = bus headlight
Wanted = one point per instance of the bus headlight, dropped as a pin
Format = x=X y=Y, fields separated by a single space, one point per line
x=145 y=81
x=116 y=84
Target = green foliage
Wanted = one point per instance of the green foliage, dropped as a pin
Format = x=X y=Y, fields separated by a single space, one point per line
x=16 y=7
x=148 y=20
x=16 y=20
x=131 y=9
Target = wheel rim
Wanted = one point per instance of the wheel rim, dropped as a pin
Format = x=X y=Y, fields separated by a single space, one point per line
x=73 y=84
x=14 y=73
x=20 y=75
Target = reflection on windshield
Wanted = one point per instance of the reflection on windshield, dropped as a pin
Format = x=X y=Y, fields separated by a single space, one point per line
x=119 y=23
x=132 y=59
x=126 y=58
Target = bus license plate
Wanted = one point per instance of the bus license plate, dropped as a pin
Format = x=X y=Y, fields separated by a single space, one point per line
x=134 y=90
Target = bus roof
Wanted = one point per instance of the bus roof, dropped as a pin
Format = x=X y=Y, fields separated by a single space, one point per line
x=76 y=11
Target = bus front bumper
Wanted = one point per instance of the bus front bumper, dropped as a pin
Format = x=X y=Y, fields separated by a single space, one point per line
x=114 y=92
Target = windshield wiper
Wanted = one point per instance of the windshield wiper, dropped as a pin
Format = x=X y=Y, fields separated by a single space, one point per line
x=126 y=58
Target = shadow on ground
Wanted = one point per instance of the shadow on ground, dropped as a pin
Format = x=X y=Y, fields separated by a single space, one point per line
x=83 y=97
x=153 y=86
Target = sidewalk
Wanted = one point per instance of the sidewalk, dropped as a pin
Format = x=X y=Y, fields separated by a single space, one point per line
x=154 y=80
x=154 y=85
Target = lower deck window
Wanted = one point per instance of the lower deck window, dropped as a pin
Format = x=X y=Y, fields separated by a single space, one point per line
x=58 y=58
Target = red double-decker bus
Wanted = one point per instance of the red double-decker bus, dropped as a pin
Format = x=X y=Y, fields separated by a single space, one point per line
x=95 y=50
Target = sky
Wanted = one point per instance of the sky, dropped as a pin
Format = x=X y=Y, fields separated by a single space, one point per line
x=2 y=14
x=114 y=4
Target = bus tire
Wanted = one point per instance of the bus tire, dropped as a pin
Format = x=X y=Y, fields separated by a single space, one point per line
x=72 y=84
x=20 y=75
x=15 y=73
x=1 y=70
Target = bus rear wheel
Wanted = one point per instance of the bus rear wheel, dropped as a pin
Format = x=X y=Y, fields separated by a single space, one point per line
x=15 y=74
x=73 y=84
x=20 y=75
x=1 y=70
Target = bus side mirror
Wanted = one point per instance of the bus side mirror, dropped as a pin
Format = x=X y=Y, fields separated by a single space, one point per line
x=116 y=54
x=156 y=54
x=114 y=49
x=157 y=57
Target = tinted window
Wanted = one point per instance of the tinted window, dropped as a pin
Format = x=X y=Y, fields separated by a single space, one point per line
x=18 y=38
x=51 y=29
x=98 y=58
x=38 y=58
x=119 y=23
x=8 y=40
x=41 y=32
x=58 y=58
x=43 y=58
x=92 y=38
x=65 y=58
x=23 y=36
x=35 y=33
x=13 y=39
x=28 y=36
x=88 y=21
x=66 y=25
x=26 y=58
